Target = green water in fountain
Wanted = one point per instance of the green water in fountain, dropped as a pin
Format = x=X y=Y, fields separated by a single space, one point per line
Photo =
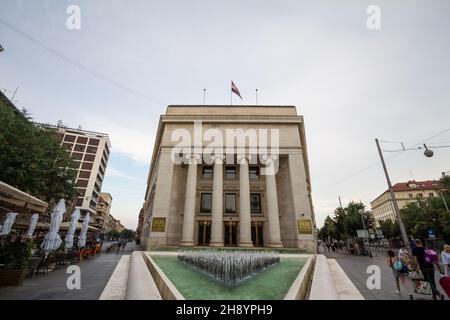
x=269 y=284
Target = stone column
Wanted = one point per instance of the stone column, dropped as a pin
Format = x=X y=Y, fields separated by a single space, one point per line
x=273 y=218
x=245 y=232
x=217 y=204
x=189 y=204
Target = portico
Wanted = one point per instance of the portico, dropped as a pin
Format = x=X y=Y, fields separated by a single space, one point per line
x=247 y=196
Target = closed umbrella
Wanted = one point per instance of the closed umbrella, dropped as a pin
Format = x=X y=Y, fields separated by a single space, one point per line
x=8 y=223
x=33 y=222
x=52 y=240
x=72 y=228
x=84 y=230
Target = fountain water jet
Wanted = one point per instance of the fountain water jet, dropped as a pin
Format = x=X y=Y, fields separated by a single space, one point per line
x=229 y=266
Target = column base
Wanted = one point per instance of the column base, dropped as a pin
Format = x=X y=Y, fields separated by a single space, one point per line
x=275 y=245
x=187 y=243
x=216 y=244
x=246 y=244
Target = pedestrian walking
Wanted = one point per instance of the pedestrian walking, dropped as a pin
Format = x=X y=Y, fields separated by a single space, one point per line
x=425 y=261
x=445 y=257
x=400 y=271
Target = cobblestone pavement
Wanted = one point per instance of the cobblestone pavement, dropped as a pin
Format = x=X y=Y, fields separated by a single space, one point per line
x=356 y=269
x=95 y=273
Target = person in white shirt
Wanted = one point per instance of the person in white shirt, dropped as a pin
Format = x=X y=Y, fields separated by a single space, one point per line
x=445 y=255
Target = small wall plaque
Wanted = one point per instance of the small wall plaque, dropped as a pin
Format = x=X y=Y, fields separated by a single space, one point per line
x=304 y=226
x=159 y=225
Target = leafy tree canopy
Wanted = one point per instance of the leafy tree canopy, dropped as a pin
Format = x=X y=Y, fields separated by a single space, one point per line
x=31 y=158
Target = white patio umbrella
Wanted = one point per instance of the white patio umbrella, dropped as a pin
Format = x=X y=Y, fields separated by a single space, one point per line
x=33 y=222
x=52 y=240
x=72 y=228
x=8 y=223
x=84 y=230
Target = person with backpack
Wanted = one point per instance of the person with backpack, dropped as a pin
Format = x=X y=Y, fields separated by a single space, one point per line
x=425 y=260
x=400 y=271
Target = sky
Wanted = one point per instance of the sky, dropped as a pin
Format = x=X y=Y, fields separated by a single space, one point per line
x=130 y=59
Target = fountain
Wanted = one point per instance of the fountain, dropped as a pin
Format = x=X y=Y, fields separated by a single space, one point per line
x=229 y=266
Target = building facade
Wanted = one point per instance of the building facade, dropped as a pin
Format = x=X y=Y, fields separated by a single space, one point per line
x=103 y=210
x=405 y=193
x=90 y=151
x=255 y=192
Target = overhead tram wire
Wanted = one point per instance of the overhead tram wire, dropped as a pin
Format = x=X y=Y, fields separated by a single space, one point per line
x=81 y=67
x=398 y=152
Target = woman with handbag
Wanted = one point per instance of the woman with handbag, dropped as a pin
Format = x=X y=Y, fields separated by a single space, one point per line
x=400 y=271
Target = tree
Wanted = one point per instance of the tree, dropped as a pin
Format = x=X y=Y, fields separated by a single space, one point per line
x=346 y=222
x=31 y=158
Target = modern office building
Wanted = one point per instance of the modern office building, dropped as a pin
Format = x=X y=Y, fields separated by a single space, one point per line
x=253 y=190
x=405 y=193
x=90 y=151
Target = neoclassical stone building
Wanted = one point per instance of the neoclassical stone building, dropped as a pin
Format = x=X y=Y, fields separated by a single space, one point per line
x=252 y=190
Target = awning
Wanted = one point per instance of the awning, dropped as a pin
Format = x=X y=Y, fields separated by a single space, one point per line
x=13 y=196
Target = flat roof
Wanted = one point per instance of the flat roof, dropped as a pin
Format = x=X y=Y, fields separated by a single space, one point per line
x=230 y=110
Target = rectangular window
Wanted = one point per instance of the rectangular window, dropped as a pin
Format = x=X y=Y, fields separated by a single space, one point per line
x=69 y=138
x=206 y=203
x=79 y=148
x=410 y=196
x=84 y=174
x=89 y=157
x=77 y=156
x=230 y=203
x=431 y=194
x=207 y=172
x=254 y=173
x=230 y=173
x=86 y=166
x=93 y=142
x=82 y=140
x=67 y=146
x=420 y=195
x=82 y=183
x=79 y=202
x=255 y=203
x=91 y=150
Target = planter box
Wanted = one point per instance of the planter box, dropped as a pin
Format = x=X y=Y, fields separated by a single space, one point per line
x=10 y=278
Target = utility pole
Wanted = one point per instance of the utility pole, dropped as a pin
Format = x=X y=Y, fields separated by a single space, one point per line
x=394 y=200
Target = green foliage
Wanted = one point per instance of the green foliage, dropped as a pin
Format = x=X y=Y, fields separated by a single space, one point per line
x=15 y=255
x=425 y=214
x=345 y=222
x=128 y=234
x=31 y=158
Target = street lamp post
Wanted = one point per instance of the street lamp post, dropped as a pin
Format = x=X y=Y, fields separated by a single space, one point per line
x=366 y=242
x=394 y=200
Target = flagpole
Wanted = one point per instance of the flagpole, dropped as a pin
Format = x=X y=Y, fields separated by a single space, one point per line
x=256 y=96
x=231 y=97
x=204 y=96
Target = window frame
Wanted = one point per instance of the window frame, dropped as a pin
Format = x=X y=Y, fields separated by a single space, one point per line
x=225 y=203
x=260 y=203
x=202 y=209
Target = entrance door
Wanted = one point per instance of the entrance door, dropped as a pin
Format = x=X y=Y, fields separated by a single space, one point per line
x=230 y=233
x=257 y=234
x=204 y=233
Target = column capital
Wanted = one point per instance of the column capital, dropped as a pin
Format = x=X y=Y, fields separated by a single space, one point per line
x=189 y=158
x=242 y=159
x=218 y=158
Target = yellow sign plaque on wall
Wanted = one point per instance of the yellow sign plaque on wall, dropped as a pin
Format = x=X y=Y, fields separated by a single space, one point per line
x=304 y=226
x=159 y=225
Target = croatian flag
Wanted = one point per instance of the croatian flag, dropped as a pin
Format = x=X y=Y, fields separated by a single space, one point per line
x=235 y=90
